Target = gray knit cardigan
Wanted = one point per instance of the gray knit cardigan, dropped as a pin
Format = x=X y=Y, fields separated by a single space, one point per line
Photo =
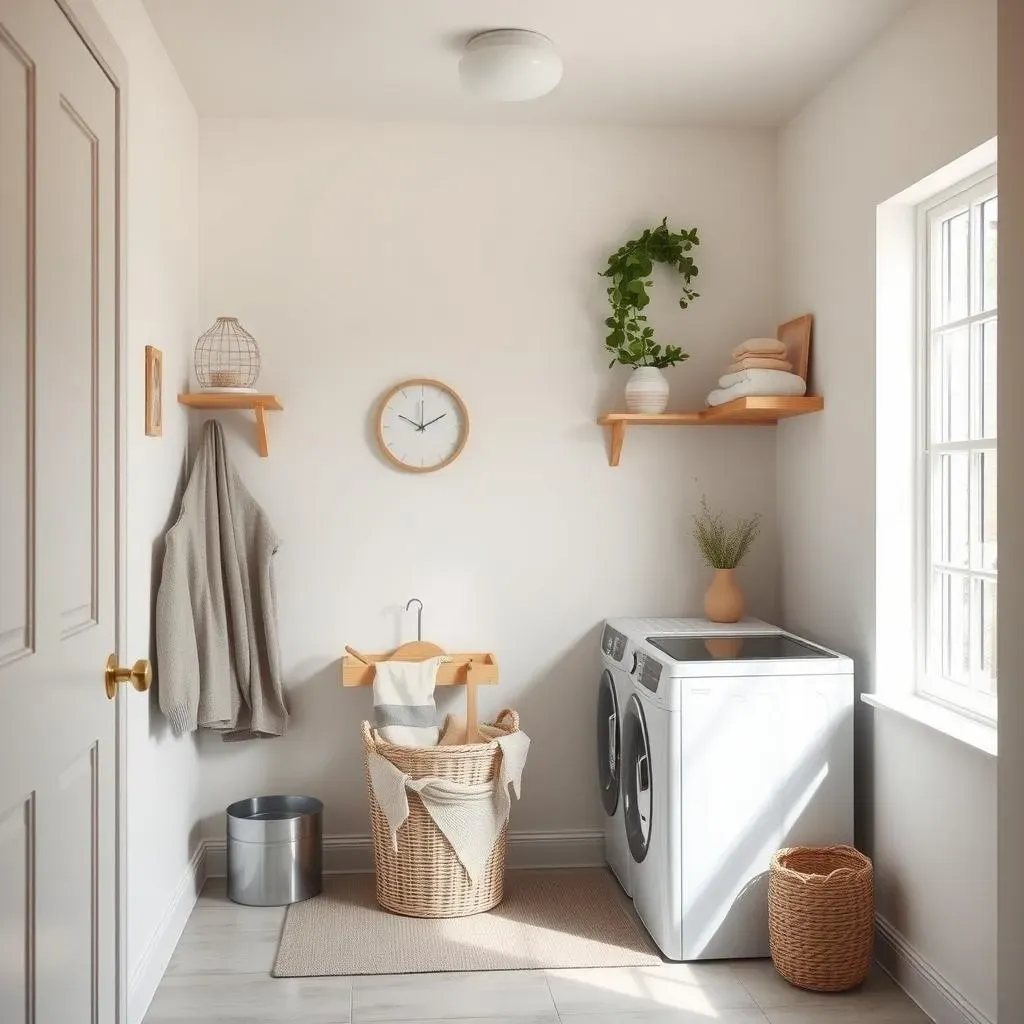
x=218 y=662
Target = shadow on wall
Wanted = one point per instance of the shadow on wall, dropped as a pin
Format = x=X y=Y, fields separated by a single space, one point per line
x=556 y=706
x=322 y=755
x=864 y=785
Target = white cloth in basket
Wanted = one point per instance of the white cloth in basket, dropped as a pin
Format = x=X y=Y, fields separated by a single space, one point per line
x=453 y=732
x=403 y=701
x=469 y=817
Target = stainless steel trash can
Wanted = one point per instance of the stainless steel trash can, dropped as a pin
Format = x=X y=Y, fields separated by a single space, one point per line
x=274 y=850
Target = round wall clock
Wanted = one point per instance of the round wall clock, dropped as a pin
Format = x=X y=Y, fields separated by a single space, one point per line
x=422 y=425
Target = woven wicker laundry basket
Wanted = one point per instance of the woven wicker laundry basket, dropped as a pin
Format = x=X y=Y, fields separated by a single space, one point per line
x=821 y=916
x=423 y=877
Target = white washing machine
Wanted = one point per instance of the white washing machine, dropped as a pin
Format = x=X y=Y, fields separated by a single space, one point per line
x=615 y=686
x=734 y=743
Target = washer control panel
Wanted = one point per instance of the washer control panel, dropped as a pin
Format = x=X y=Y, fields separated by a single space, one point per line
x=648 y=671
x=613 y=643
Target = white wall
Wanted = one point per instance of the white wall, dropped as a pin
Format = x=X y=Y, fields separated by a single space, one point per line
x=1011 y=512
x=162 y=224
x=921 y=96
x=359 y=255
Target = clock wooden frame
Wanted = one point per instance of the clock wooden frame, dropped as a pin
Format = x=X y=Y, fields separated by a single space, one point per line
x=412 y=382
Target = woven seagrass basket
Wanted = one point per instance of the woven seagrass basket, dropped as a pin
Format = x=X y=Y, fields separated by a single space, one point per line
x=423 y=877
x=821 y=916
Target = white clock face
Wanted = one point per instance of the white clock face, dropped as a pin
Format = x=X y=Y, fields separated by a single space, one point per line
x=423 y=425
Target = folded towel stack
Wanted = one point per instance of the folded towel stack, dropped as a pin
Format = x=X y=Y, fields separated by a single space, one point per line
x=759 y=367
x=756 y=382
x=760 y=354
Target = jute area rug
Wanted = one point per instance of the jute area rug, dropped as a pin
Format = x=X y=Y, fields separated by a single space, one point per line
x=548 y=919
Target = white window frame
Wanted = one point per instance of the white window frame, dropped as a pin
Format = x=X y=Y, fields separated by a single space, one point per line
x=930 y=683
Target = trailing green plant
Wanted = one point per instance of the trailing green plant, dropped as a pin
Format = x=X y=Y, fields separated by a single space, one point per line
x=630 y=338
x=723 y=547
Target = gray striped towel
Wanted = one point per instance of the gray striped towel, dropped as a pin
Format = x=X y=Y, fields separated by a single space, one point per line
x=403 y=701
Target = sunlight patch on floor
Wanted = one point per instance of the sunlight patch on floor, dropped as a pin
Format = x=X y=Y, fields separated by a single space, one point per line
x=649 y=988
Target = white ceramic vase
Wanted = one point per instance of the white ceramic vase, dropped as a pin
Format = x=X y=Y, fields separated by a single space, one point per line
x=646 y=390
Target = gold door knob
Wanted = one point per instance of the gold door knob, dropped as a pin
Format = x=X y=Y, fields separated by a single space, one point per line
x=139 y=675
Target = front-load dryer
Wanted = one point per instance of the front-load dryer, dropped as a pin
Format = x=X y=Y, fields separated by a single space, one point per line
x=734 y=744
x=614 y=688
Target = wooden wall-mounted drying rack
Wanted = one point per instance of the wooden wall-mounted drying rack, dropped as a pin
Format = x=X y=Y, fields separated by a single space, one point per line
x=470 y=669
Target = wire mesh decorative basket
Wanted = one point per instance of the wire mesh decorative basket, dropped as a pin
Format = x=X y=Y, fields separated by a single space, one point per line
x=227 y=356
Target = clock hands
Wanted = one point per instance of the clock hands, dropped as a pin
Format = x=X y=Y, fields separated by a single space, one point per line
x=421 y=426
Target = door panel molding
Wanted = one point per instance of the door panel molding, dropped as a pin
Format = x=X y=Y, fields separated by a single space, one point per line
x=94 y=879
x=18 y=639
x=76 y=620
x=18 y=843
x=78 y=783
x=86 y=615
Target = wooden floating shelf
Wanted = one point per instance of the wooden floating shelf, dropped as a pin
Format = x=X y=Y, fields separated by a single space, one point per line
x=742 y=412
x=260 y=404
x=482 y=664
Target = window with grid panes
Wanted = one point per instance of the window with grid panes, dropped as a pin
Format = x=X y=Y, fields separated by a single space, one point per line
x=957 y=519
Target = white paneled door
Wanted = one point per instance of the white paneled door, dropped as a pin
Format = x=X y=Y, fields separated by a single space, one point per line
x=58 y=532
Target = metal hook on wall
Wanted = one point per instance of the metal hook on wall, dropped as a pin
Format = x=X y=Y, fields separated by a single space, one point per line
x=419 y=615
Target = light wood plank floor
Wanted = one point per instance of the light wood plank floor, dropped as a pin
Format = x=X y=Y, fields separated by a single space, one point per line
x=221 y=972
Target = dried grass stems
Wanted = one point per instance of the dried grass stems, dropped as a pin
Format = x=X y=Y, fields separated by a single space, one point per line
x=722 y=546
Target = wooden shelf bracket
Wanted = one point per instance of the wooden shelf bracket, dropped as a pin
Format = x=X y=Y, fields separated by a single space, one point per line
x=260 y=405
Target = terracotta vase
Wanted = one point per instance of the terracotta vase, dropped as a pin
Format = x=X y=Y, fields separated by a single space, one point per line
x=724 y=601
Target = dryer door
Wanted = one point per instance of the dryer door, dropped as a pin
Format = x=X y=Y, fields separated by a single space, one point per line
x=637 y=780
x=608 y=750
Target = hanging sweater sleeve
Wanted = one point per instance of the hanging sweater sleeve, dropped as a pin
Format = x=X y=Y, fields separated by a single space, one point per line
x=177 y=654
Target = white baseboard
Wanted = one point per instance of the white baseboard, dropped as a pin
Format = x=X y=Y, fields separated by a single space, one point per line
x=921 y=981
x=580 y=848
x=150 y=970
x=346 y=854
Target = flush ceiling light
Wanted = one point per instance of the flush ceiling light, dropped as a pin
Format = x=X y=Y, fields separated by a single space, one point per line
x=510 y=64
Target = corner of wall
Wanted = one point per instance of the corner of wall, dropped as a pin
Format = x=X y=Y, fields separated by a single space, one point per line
x=842 y=156
x=154 y=959
x=162 y=257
